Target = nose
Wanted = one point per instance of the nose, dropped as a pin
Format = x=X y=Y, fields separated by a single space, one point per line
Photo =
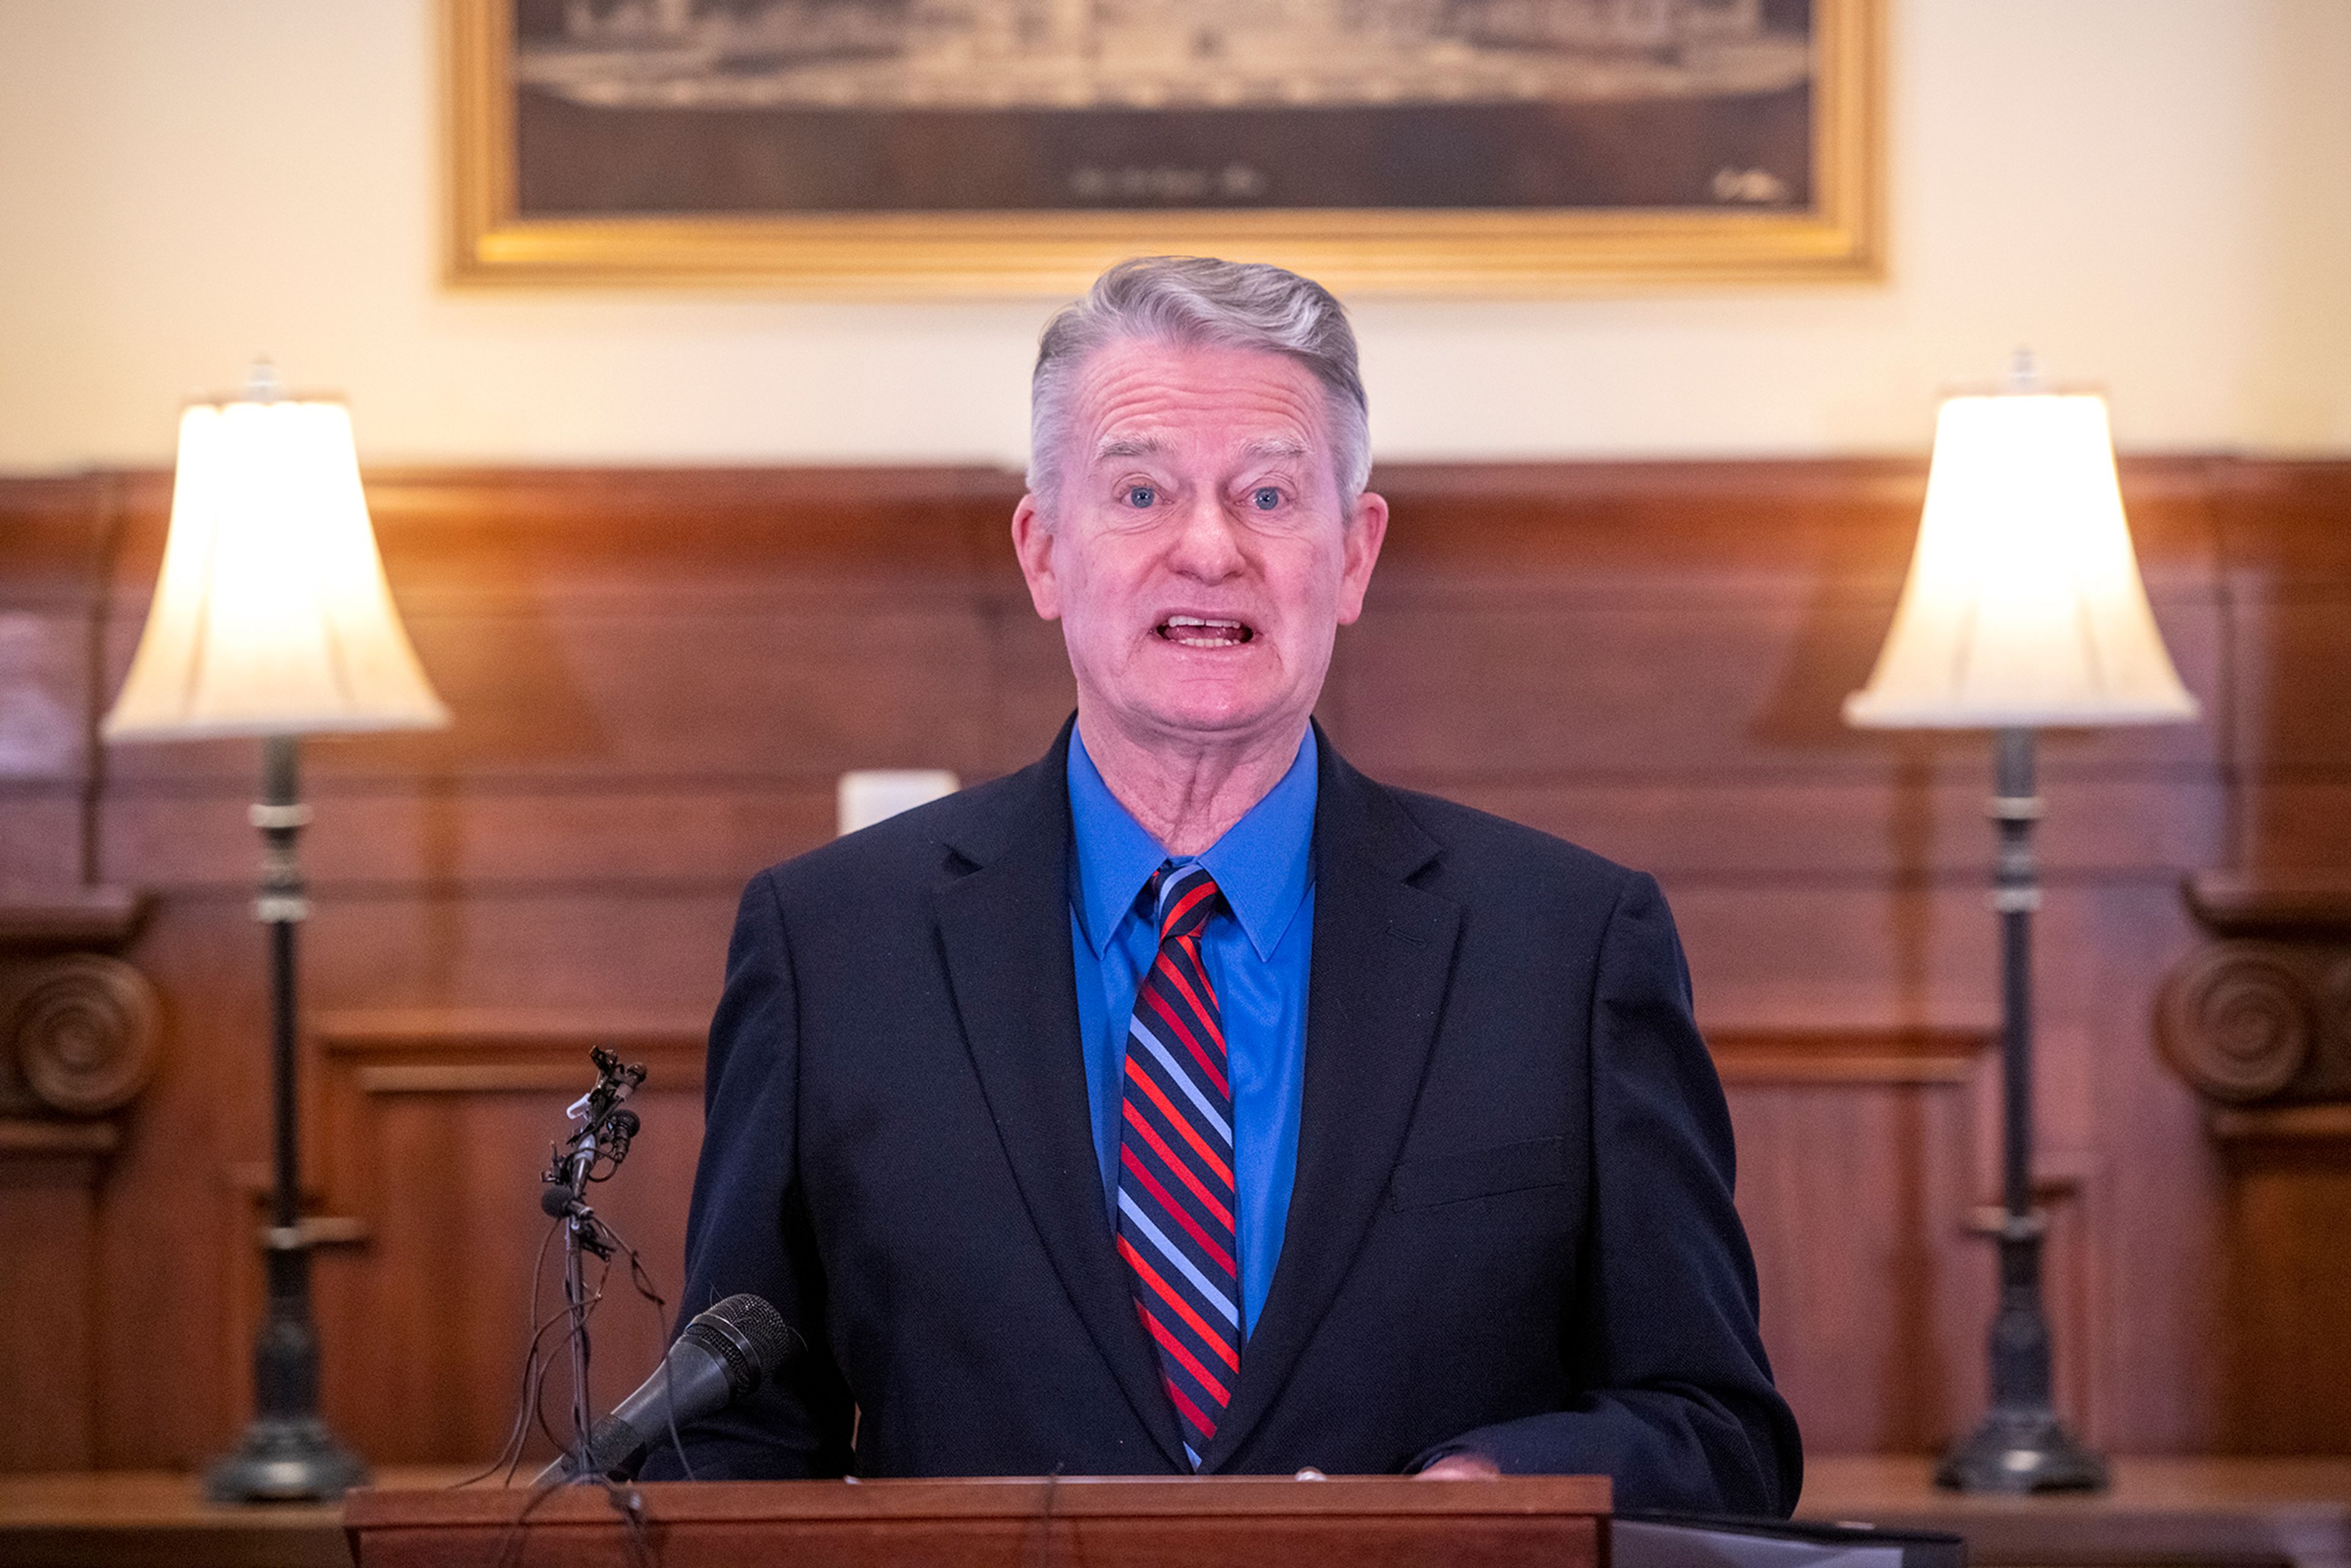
x=1206 y=546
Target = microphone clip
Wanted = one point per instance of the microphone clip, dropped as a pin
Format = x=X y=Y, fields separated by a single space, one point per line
x=599 y=1141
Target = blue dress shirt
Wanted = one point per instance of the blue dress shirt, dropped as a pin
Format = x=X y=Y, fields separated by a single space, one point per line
x=1258 y=958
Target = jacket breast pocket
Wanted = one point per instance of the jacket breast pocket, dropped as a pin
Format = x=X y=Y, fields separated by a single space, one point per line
x=1478 y=1173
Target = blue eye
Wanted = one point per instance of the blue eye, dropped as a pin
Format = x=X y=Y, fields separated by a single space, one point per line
x=1141 y=495
x=1266 y=497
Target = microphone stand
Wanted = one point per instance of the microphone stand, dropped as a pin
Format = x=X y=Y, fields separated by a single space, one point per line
x=602 y=1137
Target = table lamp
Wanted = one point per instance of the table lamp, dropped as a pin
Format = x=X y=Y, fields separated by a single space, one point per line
x=2023 y=610
x=272 y=619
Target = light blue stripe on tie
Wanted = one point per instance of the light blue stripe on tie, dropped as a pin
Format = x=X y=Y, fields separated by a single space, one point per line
x=1128 y=1206
x=1192 y=1453
x=1167 y=1059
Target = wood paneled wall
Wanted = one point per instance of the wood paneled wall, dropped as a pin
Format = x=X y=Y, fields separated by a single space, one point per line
x=658 y=676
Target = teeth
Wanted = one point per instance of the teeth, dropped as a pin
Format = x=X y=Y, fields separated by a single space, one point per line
x=1195 y=621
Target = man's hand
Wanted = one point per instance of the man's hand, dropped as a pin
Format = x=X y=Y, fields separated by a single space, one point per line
x=1461 y=1467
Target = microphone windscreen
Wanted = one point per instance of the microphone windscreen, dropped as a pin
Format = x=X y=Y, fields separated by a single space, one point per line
x=749 y=1335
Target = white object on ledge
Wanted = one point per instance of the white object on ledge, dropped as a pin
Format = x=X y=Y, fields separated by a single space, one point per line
x=870 y=795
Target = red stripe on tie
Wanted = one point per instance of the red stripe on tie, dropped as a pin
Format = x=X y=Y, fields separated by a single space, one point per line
x=1224 y=1216
x=1224 y=1259
x=1191 y=945
x=1184 y=906
x=1159 y=1005
x=1174 y=1347
x=1166 y=1293
x=1207 y=1014
x=1176 y=1119
x=1191 y=1411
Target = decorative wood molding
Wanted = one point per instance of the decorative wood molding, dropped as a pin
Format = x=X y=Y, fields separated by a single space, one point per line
x=102 y=919
x=1838 y=1055
x=2285 y=1125
x=21 y=1136
x=367 y=1054
x=2258 y=1020
x=474 y=1050
x=78 y=1027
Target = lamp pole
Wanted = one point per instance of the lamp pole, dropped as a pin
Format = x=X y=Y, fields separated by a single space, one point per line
x=2021 y=1446
x=288 y=1454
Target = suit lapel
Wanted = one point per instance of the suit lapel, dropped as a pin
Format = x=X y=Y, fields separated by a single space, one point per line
x=1005 y=927
x=1382 y=952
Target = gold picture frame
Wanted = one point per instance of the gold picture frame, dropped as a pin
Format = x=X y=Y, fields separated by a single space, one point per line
x=1837 y=237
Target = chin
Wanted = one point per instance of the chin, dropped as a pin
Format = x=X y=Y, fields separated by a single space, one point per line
x=1189 y=714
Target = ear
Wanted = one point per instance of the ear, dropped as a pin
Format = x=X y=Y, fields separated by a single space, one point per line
x=1367 y=528
x=1032 y=542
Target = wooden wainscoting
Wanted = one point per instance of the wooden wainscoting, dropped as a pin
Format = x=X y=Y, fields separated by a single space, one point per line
x=423 y=1114
x=657 y=676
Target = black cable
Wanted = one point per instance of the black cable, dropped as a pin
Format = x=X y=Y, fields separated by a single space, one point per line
x=643 y=1279
x=518 y=1433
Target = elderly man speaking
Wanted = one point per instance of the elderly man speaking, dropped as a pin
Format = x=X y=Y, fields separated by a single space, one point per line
x=1188 y=1102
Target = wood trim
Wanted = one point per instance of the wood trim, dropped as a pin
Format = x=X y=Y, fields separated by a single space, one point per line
x=2159 y=1509
x=1013 y=1498
x=2325 y=1126
x=460 y=1051
x=1896 y=1056
x=359 y=1032
x=98 y=918
x=24 y=1136
x=2234 y=903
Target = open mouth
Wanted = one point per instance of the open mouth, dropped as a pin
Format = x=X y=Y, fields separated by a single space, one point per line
x=1204 y=631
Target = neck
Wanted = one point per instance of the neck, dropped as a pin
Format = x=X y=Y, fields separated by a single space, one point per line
x=1187 y=794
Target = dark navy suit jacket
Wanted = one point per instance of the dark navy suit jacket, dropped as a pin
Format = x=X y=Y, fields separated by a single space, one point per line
x=1511 y=1231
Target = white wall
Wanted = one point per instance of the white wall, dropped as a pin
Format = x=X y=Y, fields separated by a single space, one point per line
x=2156 y=193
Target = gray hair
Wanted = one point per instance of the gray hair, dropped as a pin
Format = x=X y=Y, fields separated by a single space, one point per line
x=1197 y=301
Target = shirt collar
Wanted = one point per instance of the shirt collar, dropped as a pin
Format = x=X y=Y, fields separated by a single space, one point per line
x=1263 y=864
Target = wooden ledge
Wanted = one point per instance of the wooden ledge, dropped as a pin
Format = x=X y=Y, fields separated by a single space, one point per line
x=2305 y=1125
x=99 y=918
x=997 y=1498
x=1842 y=1055
x=2235 y=904
x=39 y=1137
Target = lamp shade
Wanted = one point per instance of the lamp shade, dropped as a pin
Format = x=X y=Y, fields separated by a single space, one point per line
x=272 y=616
x=2023 y=608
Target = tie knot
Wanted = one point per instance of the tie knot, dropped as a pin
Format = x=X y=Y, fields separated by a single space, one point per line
x=1187 y=896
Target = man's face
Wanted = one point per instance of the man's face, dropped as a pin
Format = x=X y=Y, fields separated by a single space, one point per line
x=1200 y=556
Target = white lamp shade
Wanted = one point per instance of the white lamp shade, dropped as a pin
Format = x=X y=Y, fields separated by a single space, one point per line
x=272 y=616
x=2023 y=608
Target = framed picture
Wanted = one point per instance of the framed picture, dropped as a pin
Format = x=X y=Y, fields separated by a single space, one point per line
x=1015 y=146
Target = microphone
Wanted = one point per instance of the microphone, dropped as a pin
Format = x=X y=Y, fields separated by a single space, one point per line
x=724 y=1354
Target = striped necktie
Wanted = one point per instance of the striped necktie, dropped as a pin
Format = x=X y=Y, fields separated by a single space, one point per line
x=1176 y=1164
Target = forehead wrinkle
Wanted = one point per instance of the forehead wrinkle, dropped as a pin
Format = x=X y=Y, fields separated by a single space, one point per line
x=1137 y=398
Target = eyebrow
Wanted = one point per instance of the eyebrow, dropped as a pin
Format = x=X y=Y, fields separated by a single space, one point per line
x=1129 y=447
x=1278 y=447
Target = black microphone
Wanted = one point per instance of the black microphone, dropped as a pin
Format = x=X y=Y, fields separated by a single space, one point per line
x=723 y=1355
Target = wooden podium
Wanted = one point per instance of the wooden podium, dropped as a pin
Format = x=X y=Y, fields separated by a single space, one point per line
x=1108 y=1522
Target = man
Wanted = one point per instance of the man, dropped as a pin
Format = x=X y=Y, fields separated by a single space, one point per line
x=1188 y=1102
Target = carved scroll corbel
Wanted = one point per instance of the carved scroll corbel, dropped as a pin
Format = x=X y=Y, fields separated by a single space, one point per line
x=81 y=1031
x=2258 y=1020
x=78 y=1027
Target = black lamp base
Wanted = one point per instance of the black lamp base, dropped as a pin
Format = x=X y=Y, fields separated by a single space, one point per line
x=286 y=1459
x=2021 y=1451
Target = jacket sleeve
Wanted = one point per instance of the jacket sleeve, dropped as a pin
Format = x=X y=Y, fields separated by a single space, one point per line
x=748 y=1229
x=1673 y=1394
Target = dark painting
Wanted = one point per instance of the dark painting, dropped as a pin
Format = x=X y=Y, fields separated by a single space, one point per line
x=768 y=108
